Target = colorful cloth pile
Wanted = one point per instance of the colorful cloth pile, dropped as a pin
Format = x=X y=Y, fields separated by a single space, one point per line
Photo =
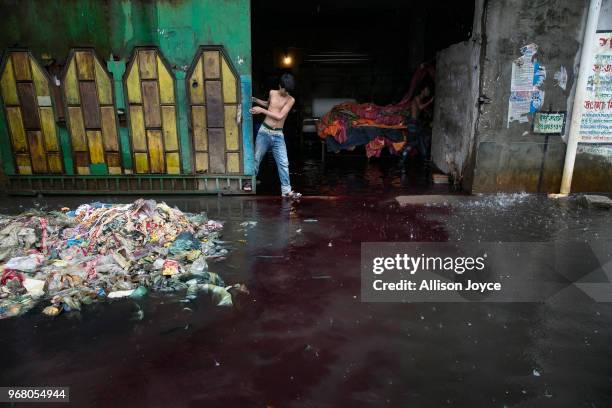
x=349 y=124
x=342 y=119
x=100 y=251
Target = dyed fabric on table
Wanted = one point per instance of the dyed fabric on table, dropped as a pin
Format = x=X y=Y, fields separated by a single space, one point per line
x=374 y=148
x=350 y=124
x=359 y=136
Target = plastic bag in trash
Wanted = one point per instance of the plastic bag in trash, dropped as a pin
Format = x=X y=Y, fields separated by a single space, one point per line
x=15 y=306
x=219 y=295
x=199 y=265
x=51 y=310
x=185 y=241
x=34 y=287
x=28 y=263
x=120 y=294
x=222 y=296
x=139 y=292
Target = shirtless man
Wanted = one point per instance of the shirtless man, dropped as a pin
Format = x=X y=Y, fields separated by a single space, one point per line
x=270 y=134
x=419 y=104
x=415 y=127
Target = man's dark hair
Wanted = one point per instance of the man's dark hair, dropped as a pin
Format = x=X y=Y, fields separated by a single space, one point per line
x=288 y=82
x=426 y=83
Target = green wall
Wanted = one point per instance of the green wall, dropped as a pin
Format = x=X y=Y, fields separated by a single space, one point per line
x=115 y=27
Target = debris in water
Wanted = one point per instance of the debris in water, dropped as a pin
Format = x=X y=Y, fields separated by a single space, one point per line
x=120 y=294
x=99 y=251
x=139 y=314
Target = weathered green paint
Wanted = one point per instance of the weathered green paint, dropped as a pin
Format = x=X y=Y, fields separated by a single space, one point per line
x=126 y=150
x=115 y=27
x=6 y=155
x=98 y=169
x=117 y=69
x=64 y=138
x=183 y=122
x=182 y=26
x=247 y=124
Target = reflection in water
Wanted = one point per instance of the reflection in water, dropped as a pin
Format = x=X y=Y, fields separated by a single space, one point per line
x=304 y=338
x=349 y=174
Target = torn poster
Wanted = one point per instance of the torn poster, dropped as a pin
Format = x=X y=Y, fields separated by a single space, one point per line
x=529 y=50
x=537 y=100
x=522 y=75
x=561 y=78
x=539 y=75
x=596 y=113
x=520 y=102
x=527 y=78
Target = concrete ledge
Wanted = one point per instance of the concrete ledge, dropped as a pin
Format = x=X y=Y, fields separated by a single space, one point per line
x=596 y=201
x=429 y=199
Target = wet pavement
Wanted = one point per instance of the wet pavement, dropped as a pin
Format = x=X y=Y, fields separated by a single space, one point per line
x=304 y=339
x=348 y=173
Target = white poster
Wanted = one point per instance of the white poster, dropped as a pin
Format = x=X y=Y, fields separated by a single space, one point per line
x=596 y=113
x=527 y=77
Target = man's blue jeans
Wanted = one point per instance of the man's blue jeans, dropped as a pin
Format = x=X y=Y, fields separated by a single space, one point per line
x=266 y=139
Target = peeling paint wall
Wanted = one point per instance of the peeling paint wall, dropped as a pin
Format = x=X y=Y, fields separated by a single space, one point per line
x=510 y=157
x=456 y=79
x=456 y=103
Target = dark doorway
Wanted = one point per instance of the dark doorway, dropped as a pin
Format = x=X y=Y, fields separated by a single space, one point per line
x=366 y=52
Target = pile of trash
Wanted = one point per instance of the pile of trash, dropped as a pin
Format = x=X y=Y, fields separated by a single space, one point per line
x=105 y=251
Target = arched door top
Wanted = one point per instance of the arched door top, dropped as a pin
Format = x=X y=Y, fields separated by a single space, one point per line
x=149 y=87
x=214 y=99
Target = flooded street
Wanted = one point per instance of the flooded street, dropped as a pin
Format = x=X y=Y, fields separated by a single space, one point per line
x=303 y=338
x=306 y=204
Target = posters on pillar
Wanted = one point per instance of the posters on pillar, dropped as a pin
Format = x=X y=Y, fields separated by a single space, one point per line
x=596 y=113
x=527 y=77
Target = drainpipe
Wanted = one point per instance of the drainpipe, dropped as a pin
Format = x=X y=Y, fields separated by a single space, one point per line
x=586 y=58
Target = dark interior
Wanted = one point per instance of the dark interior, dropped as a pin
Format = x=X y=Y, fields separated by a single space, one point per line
x=366 y=51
